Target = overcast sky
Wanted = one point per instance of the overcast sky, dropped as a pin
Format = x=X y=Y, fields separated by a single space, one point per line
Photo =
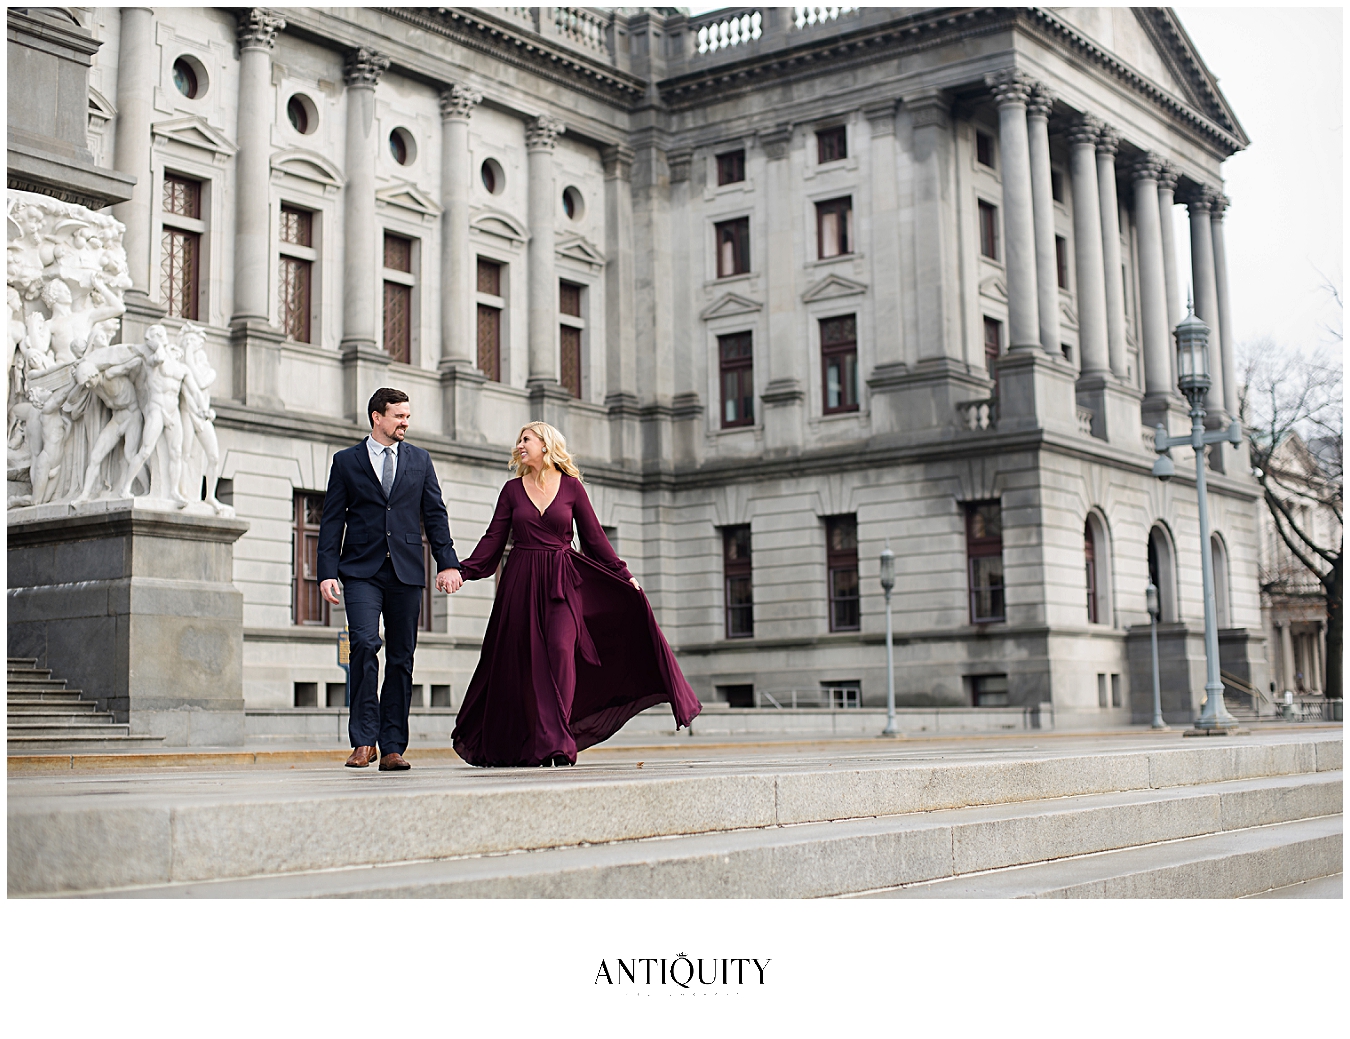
x=1280 y=69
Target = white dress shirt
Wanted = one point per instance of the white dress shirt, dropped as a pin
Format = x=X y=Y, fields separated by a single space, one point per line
x=376 y=452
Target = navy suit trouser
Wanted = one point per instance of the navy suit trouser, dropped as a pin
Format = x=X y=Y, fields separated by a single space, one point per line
x=383 y=718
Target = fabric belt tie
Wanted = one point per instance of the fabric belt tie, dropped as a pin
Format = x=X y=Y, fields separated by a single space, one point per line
x=562 y=577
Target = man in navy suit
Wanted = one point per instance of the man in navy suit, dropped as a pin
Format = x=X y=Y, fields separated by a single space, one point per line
x=383 y=493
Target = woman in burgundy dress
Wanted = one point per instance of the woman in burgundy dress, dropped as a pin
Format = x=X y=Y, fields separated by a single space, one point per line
x=572 y=649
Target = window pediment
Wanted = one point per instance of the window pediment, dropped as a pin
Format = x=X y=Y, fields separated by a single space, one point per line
x=194 y=132
x=410 y=197
x=579 y=248
x=308 y=165
x=994 y=288
x=731 y=305
x=499 y=224
x=833 y=286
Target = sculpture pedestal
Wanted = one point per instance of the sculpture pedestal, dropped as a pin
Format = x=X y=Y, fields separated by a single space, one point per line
x=137 y=607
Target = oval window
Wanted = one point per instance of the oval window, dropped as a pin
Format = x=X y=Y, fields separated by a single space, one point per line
x=403 y=147
x=301 y=112
x=493 y=177
x=189 y=78
x=573 y=204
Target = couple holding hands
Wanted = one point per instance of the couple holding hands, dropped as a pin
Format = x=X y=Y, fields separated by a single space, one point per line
x=572 y=648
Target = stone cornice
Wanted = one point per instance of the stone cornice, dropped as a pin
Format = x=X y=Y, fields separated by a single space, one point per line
x=478 y=30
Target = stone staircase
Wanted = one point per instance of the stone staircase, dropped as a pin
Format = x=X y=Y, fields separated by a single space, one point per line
x=1155 y=819
x=46 y=717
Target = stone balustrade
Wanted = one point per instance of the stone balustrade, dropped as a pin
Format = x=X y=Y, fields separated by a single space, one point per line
x=978 y=415
x=1085 y=416
x=583 y=27
x=728 y=29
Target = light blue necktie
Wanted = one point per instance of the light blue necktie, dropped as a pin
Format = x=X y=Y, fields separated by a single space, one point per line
x=387 y=480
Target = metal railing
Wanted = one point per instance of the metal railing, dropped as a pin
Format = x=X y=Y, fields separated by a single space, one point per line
x=826 y=698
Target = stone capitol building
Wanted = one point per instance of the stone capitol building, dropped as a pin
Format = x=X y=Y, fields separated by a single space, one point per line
x=795 y=283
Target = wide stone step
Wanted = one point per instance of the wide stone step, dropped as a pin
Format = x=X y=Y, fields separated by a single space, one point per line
x=822 y=859
x=74 y=743
x=29 y=707
x=251 y=824
x=68 y=725
x=61 y=696
x=1220 y=865
x=35 y=683
x=21 y=662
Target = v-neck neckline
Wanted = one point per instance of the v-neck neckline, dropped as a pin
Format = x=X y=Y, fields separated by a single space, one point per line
x=545 y=509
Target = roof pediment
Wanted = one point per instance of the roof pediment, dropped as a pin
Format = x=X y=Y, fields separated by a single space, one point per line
x=308 y=165
x=195 y=132
x=833 y=286
x=410 y=197
x=732 y=304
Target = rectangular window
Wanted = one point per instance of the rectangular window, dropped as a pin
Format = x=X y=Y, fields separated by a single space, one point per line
x=988 y=690
x=1061 y=261
x=569 y=336
x=841 y=560
x=984 y=149
x=335 y=693
x=306 y=694
x=1090 y=558
x=182 y=196
x=731 y=167
x=834 y=227
x=989 y=230
x=307 y=605
x=489 y=277
x=1057 y=185
x=738 y=379
x=736 y=572
x=832 y=144
x=733 y=247
x=984 y=554
x=398 y=297
x=179 y=267
x=839 y=361
x=490 y=342
x=296 y=272
x=993 y=347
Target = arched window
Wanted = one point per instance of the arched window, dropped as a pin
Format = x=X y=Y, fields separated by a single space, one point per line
x=1097 y=569
x=1218 y=554
x=1162 y=572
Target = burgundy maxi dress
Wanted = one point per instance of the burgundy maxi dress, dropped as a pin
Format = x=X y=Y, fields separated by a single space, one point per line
x=572 y=650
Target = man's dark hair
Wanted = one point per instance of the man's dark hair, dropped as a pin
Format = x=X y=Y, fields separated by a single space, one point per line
x=381 y=399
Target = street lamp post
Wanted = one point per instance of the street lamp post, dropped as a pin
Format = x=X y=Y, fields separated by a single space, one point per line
x=1192 y=337
x=1151 y=599
x=887 y=584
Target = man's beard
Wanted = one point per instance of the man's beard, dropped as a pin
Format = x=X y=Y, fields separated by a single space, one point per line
x=398 y=434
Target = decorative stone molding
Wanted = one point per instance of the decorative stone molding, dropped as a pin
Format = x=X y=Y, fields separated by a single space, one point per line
x=929 y=109
x=543 y=133
x=1108 y=141
x=1010 y=87
x=364 y=67
x=86 y=418
x=776 y=142
x=457 y=102
x=1085 y=130
x=1147 y=168
x=1040 y=102
x=1167 y=177
x=258 y=27
x=881 y=117
x=678 y=162
x=618 y=161
x=1218 y=202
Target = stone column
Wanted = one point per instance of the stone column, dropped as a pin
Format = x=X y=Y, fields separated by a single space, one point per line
x=257 y=33
x=131 y=151
x=541 y=136
x=1011 y=90
x=783 y=397
x=1043 y=208
x=1217 y=205
x=1167 y=186
x=1286 y=657
x=257 y=342
x=1156 y=333
x=621 y=399
x=1087 y=240
x=365 y=366
x=885 y=243
x=1206 y=300
x=1108 y=142
x=461 y=380
x=1314 y=679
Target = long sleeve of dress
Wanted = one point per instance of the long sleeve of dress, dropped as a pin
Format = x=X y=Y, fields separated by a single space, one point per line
x=593 y=541
x=488 y=552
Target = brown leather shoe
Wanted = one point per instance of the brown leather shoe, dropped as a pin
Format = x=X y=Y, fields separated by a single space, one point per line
x=393 y=762
x=361 y=757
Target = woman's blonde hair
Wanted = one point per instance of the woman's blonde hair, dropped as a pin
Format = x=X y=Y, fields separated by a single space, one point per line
x=555 y=451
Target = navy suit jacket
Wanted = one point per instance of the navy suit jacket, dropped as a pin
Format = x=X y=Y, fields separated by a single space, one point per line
x=373 y=526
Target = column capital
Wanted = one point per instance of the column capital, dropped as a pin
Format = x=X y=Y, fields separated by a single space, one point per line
x=258 y=27
x=543 y=132
x=930 y=108
x=1009 y=87
x=776 y=142
x=1218 y=202
x=458 y=101
x=1201 y=199
x=1040 y=102
x=881 y=117
x=617 y=160
x=1108 y=141
x=1148 y=167
x=1167 y=177
x=364 y=67
x=1085 y=130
